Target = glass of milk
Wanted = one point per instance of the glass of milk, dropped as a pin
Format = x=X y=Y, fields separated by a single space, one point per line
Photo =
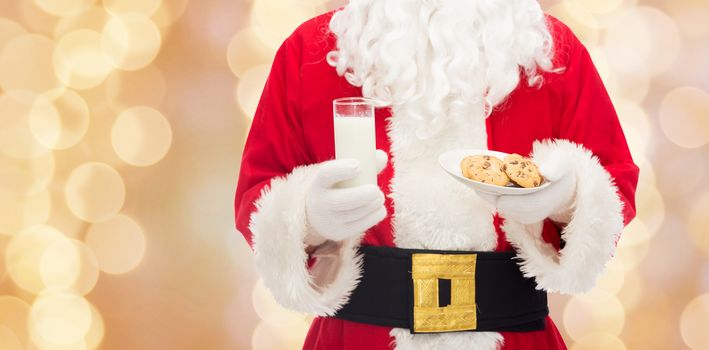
x=355 y=137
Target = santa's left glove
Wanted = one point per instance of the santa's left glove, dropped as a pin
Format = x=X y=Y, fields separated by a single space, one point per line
x=337 y=214
x=554 y=202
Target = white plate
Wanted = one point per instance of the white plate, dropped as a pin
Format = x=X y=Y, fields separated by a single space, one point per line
x=450 y=162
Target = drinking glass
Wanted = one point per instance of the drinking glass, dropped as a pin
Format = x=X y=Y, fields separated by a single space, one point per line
x=355 y=137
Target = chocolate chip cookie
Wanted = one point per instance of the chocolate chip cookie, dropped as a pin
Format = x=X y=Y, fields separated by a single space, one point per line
x=485 y=169
x=522 y=171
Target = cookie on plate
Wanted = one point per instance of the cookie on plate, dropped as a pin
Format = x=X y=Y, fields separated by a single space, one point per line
x=485 y=169
x=522 y=171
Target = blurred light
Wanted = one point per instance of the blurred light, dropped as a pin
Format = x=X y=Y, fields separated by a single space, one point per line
x=16 y=139
x=59 y=122
x=668 y=273
x=21 y=177
x=647 y=171
x=642 y=41
x=218 y=30
x=635 y=125
x=628 y=257
x=704 y=278
x=169 y=12
x=34 y=18
x=69 y=264
x=632 y=88
x=119 y=244
x=269 y=337
x=96 y=144
x=145 y=87
x=62 y=218
x=597 y=341
x=608 y=76
x=595 y=312
x=130 y=41
x=18 y=212
x=575 y=17
x=271 y=312
x=693 y=323
x=239 y=317
x=611 y=281
x=79 y=61
x=94 y=336
x=675 y=165
x=587 y=33
x=622 y=88
x=634 y=234
x=250 y=88
x=26 y=64
x=92 y=19
x=89 y=270
x=141 y=136
x=691 y=16
x=94 y=191
x=243 y=42
x=684 y=117
x=60 y=264
x=650 y=206
x=631 y=293
x=13 y=316
x=64 y=7
x=24 y=253
x=654 y=322
x=274 y=20
x=145 y=7
x=59 y=318
x=9 y=30
x=321 y=3
x=92 y=339
x=597 y=6
x=698 y=222
x=8 y=340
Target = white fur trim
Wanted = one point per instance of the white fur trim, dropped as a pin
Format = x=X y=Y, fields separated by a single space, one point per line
x=404 y=340
x=596 y=221
x=279 y=228
x=433 y=211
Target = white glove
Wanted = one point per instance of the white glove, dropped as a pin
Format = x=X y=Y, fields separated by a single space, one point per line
x=339 y=213
x=553 y=202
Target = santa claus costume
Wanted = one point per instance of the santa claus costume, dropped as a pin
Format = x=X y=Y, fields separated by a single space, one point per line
x=494 y=74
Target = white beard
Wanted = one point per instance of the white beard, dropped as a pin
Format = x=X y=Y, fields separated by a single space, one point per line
x=440 y=60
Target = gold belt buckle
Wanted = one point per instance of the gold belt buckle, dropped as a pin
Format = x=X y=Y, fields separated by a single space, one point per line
x=426 y=271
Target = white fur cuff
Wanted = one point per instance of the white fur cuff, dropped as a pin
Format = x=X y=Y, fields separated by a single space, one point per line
x=279 y=228
x=596 y=221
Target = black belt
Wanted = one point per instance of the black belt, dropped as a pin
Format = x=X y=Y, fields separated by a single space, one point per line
x=443 y=291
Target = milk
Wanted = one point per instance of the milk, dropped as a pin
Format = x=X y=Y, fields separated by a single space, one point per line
x=354 y=138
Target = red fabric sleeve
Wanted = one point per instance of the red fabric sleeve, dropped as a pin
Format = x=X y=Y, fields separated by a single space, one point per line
x=589 y=118
x=275 y=143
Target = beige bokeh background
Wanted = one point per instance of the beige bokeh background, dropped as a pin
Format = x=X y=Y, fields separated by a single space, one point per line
x=121 y=128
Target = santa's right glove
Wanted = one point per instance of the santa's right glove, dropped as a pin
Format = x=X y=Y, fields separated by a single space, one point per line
x=339 y=213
